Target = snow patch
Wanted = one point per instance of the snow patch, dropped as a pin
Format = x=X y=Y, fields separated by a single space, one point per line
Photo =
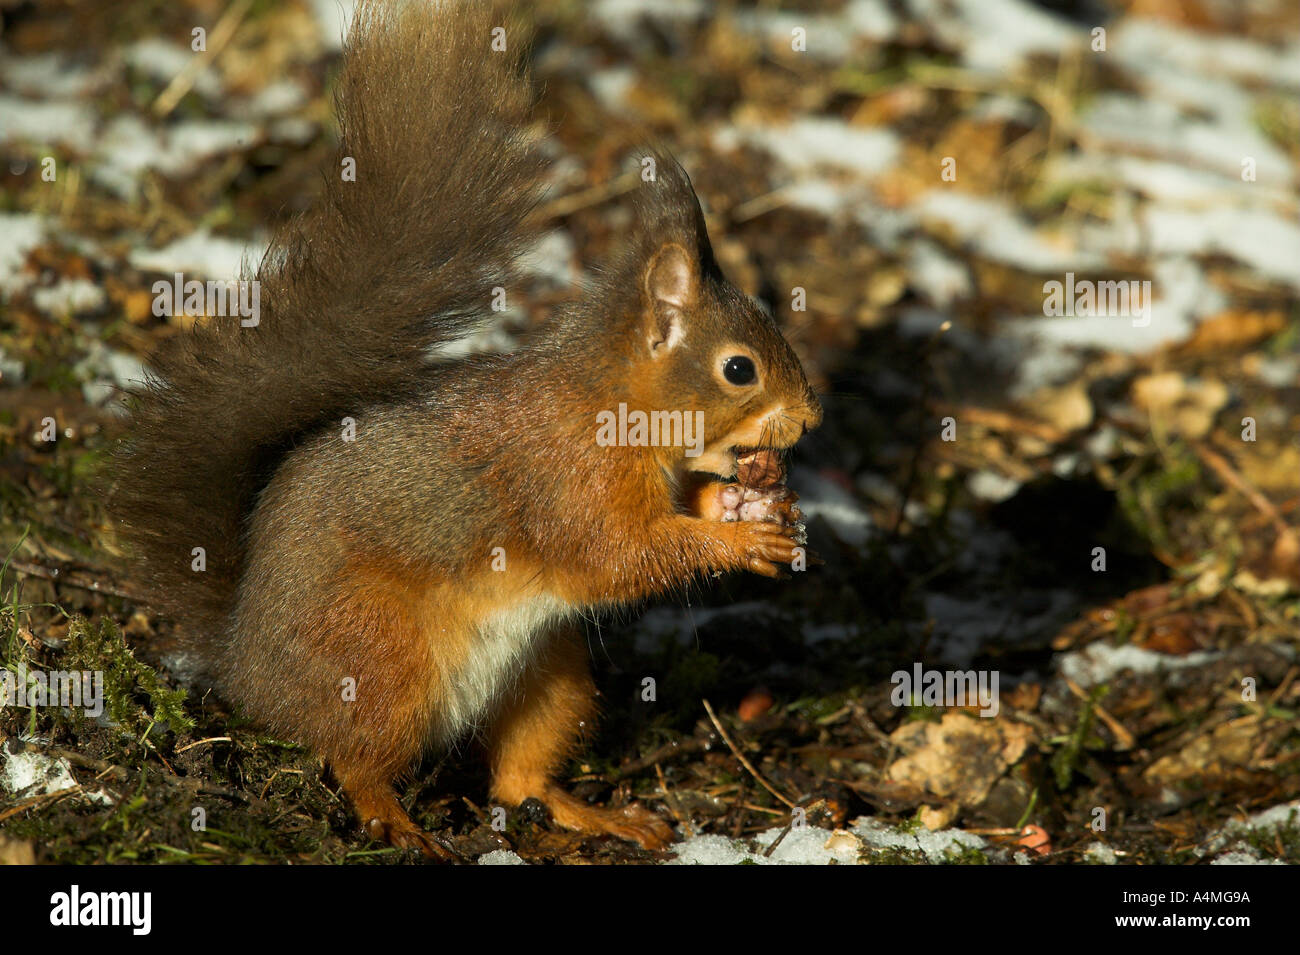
x=1122 y=121
x=804 y=846
x=129 y=146
x=995 y=35
x=51 y=75
x=162 y=60
x=815 y=142
x=32 y=773
x=46 y=121
x=994 y=229
x=20 y=232
x=69 y=297
x=333 y=17
x=500 y=857
x=1244 y=858
x=1100 y=662
x=1100 y=854
x=623 y=18
x=199 y=253
x=936 y=845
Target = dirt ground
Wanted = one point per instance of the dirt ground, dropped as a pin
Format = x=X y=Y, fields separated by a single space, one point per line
x=1099 y=510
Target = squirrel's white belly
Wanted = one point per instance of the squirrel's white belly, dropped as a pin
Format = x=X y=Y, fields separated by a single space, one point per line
x=500 y=651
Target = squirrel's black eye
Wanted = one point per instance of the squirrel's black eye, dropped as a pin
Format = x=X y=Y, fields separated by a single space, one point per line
x=738 y=370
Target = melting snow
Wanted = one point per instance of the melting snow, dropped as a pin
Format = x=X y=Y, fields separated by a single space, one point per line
x=19 y=234
x=69 y=296
x=45 y=121
x=995 y=35
x=162 y=60
x=994 y=229
x=1099 y=662
x=500 y=857
x=815 y=142
x=200 y=253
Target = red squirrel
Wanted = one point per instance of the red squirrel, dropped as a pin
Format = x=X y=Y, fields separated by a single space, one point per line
x=398 y=549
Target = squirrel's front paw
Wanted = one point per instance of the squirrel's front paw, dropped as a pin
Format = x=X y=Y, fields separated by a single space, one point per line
x=761 y=546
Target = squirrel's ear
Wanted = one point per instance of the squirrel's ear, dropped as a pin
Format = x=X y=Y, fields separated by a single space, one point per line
x=672 y=282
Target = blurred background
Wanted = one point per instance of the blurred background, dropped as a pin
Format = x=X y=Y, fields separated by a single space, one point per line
x=899 y=181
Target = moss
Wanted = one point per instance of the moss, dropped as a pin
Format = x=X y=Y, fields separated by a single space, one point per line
x=1066 y=759
x=1280 y=842
x=964 y=855
x=913 y=824
x=1278 y=118
x=134 y=695
x=1161 y=486
x=893 y=855
x=814 y=708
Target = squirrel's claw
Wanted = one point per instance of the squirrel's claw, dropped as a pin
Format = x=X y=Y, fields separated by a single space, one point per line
x=406 y=835
x=762 y=546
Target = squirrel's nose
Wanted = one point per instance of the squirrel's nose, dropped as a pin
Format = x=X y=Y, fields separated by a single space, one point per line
x=812 y=413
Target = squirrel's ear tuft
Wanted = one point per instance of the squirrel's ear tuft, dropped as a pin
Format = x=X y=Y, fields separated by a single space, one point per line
x=672 y=283
x=671 y=210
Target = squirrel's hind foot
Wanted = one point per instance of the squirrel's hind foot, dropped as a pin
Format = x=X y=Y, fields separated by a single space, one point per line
x=384 y=820
x=634 y=823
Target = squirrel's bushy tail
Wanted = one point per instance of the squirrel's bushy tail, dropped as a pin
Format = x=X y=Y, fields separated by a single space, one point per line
x=352 y=295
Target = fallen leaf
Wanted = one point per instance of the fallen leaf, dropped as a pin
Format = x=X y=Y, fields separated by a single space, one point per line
x=959 y=758
x=1230 y=747
x=1068 y=408
x=1233 y=329
x=842 y=839
x=1185 y=406
x=1177 y=634
x=16 y=851
x=936 y=819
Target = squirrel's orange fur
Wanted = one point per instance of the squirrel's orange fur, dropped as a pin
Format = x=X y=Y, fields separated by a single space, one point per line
x=355 y=597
